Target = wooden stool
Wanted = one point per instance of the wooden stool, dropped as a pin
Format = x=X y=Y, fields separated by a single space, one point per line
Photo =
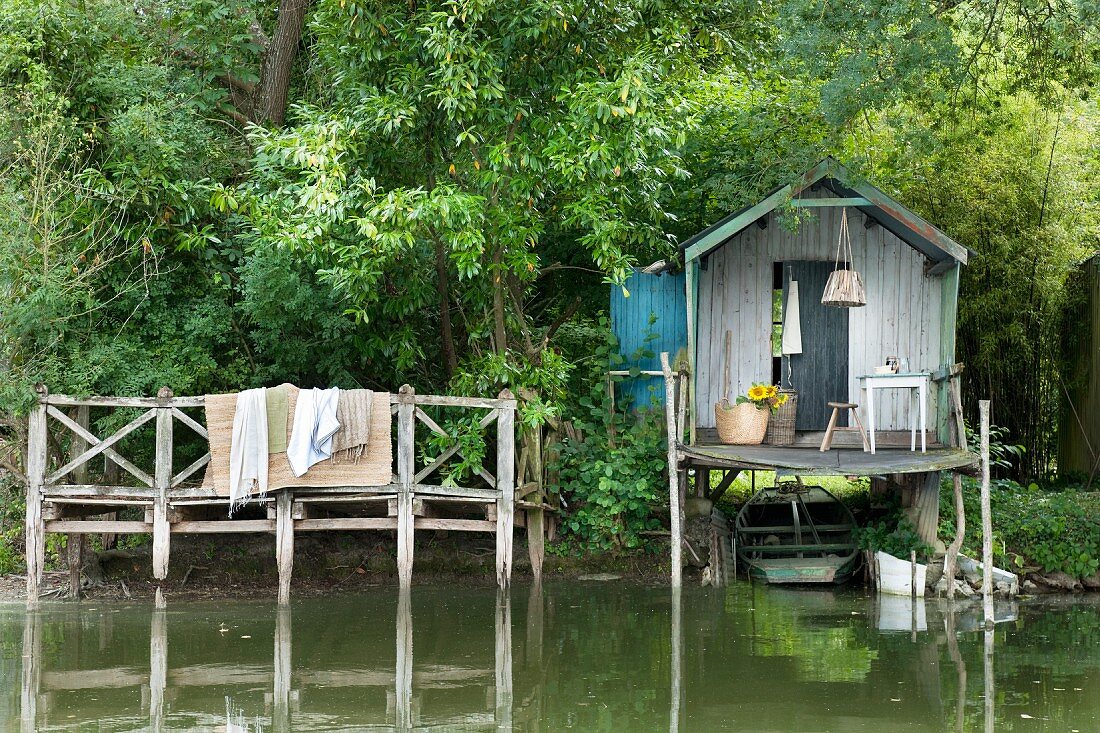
x=827 y=441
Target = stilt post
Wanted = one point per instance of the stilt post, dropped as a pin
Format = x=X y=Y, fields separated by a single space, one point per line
x=674 y=505
x=987 y=520
x=162 y=481
x=406 y=456
x=284 y=543
x=37 y=441
x=505 y=480
x=74 y=543
x=951 y=561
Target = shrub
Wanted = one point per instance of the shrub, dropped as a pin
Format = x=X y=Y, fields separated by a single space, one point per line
x=1032 y=527
x=614 y=470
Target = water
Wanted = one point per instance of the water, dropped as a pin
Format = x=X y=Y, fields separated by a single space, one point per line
x=572 y=657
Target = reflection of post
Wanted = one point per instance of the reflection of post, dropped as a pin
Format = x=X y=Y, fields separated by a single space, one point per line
x=536 y=613
x=676 y=652
x=988 y=675
x=404 y=670
x=960 y=668
x=987 y=520
x=32 y=671
x=158 y=668
x=504 y=661
x=280 y=716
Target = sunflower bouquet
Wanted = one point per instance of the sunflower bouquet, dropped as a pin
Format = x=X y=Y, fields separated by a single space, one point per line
x=764 y=396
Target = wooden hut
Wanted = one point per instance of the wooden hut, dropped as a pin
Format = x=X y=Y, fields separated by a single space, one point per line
x=738 y=292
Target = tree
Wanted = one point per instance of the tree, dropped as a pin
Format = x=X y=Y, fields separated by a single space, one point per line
x=453 y=139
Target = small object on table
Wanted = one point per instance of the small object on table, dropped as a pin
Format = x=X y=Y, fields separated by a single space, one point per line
x=913 y=381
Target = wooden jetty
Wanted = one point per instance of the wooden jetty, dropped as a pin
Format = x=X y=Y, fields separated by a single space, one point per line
x=69 y=499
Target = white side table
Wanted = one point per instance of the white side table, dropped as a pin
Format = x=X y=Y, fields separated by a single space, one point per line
x=916 y=383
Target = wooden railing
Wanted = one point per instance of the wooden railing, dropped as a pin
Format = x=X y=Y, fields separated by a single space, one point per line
x=71 y=486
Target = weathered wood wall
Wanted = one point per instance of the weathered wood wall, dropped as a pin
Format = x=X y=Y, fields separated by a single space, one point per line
x=902 y=317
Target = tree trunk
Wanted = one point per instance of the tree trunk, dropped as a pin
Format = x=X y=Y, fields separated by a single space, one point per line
x=280 y=60
x=500 y=333
x=446 y=332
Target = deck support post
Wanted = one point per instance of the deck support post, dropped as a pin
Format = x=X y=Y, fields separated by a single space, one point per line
x=675 y=508
x=505 y=484
x=74 y=543
x=284 y=543
x=987 y=520
x=503 y=666
x=406 y=435
x=162 y=481
x=37 y=441
x=536 y=541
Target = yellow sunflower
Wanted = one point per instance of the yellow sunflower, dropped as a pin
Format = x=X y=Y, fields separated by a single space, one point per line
x=758 y=392
x=781 y=400
x=772 y=391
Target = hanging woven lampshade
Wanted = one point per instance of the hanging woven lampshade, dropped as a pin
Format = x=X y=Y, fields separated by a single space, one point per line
x=844 y=288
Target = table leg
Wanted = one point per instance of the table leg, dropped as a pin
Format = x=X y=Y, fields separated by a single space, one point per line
x=871 y=413
x=923 y=403
x=912 y=419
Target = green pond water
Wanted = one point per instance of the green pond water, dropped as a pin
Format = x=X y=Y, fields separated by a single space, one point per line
x=589 y=657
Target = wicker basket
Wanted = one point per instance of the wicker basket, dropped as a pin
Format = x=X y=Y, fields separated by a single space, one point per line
x=743 y=424
x=781 y=424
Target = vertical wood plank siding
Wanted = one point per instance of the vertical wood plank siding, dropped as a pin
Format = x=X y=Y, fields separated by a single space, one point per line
x=902 y=317
x=664 y=297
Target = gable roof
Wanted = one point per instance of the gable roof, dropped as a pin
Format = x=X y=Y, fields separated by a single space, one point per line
x=888 y=213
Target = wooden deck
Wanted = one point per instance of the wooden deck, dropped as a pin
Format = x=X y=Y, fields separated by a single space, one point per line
x=809 y=461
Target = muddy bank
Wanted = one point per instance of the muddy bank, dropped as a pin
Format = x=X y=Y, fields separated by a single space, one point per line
x=244 y=567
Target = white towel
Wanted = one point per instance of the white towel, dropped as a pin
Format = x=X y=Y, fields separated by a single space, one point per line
x=792 y=327
x=314 y=425
x=248 y=449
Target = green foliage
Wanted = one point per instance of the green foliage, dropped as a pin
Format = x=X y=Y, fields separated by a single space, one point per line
x=1032 y=527
x=895 y=534
x=615 y=470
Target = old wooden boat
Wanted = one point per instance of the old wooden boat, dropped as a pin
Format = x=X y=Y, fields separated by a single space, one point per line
x=793 y=533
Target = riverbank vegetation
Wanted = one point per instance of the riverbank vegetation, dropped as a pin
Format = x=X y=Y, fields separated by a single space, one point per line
x=218 y=195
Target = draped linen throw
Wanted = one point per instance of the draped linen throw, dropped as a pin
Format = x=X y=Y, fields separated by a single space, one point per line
x=248 y=450
x=314 y=425
x=353 y=412
x=792 y=326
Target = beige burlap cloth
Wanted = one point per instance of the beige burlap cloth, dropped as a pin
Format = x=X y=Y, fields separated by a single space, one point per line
x=373 y=468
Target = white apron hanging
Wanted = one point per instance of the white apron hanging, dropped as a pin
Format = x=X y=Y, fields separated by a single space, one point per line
x=792 y=326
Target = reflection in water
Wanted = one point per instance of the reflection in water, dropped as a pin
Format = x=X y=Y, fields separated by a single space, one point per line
x=581 y=657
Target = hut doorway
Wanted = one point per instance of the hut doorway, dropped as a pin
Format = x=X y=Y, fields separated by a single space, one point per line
x=820 y=372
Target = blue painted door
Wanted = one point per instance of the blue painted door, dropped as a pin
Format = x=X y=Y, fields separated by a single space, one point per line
x=650 y=317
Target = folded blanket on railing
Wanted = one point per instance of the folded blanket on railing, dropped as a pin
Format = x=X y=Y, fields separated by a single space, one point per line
x=353 y=412
x=314 y=425
x=374 y=468
x=248 y=454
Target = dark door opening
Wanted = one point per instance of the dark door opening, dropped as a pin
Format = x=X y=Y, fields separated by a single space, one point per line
x=820 y=372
